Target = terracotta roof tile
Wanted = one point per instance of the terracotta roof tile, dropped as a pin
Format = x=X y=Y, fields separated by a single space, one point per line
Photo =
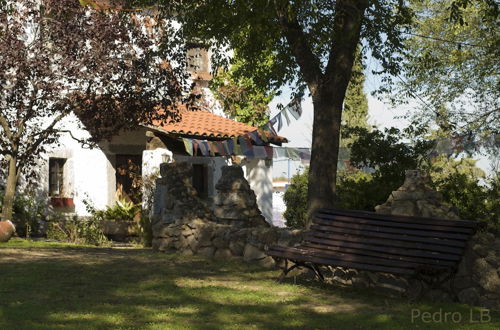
x=205 y=124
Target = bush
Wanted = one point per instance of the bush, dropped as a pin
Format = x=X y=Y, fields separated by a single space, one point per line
x=78 y=231
x=29 y=214
x=295 y=198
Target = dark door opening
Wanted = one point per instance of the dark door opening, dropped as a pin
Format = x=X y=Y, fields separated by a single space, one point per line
x=200 y=179
x=128 y=176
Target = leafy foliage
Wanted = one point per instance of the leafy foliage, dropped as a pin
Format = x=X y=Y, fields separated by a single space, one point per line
x=355 y=113
x=451 y=65
x=295 y=199
x=242 y=99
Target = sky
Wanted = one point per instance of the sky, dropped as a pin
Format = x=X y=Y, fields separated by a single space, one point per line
x=299 y=132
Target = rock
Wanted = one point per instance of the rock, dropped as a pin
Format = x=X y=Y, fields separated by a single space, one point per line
x=207 y=251
x=266 y=262
x=480 y=250
x=220 y=242
x=252 y=253
x=493 y=259
x=403 y=208
x=485 y=238
x=437 y=295
x=480 y=266
x=7 y=230
x=237 y=247
x=490 y=281
x=223 y=254
x=468 y=296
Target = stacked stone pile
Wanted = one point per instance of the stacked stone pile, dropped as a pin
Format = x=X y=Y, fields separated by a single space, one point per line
x=416 y=198
x=184 y=224
x=235 y=203
x=175 y=198
x=222 y=241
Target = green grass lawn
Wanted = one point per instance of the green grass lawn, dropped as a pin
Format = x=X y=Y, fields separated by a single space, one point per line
x=56 y=286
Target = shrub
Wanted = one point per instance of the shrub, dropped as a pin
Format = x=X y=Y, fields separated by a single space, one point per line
x=77 y=230
x=295 y=198
x=29 y=214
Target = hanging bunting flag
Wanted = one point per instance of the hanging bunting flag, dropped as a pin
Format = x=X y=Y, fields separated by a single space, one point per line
x=295 y=108
x=292 y=153
x=212 y=148
x=247 y=141
x=271 y=124
x=254 y=135
x=227 y=148
x=188 y=145
x=203 y=145
x=269 y=152
x=249 y=153
x=259 y=152
x=263 y=135
x=236 y=146
x=285 y=114
x=269 y=127
x=220 y=148
x=195 y=147
x=243 y=144
x=279 y=121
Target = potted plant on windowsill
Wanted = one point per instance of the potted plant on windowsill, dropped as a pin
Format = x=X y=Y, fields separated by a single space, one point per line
x=62 y=201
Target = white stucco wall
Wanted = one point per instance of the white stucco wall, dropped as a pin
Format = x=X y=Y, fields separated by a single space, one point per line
x=258 y=172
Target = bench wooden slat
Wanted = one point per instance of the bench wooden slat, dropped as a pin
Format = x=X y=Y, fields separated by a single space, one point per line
x=366 y=252
x=385 y=249
x=392 y=224
x=389 y=243
x=401 y=218
x=386 y=229
x=333 y=262
x=392 y=237
x=349 y=257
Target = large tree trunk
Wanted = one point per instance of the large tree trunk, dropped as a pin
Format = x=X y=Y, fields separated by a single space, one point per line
x=328 y=102
x=325 y=146
x=10 y=190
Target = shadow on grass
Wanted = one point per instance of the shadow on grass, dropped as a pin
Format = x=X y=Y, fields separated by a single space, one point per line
x=104 y=288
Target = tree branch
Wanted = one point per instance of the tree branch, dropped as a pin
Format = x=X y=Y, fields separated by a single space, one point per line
x=310 y=66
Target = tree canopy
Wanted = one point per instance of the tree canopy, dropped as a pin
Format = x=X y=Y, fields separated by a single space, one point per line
x=451 y=66
x=58 y=58
x=312 y=45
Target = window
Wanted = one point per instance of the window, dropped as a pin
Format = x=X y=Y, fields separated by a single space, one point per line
x=56 y=176
x=197 y=58
x=200 y=179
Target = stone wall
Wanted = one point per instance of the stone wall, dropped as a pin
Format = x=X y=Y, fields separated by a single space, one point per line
x=477 y=281
x=183 y=223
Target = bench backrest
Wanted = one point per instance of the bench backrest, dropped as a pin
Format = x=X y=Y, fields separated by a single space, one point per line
x=388 y=241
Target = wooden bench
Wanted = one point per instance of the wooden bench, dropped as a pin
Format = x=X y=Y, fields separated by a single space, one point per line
x=426 y=248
